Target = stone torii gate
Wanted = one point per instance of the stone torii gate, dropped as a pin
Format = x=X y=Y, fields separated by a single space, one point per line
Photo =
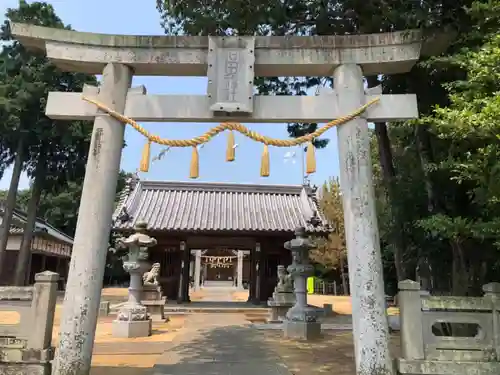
x=230 y=64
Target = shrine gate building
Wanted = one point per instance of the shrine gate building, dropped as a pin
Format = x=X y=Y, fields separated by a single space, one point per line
x=219 y=231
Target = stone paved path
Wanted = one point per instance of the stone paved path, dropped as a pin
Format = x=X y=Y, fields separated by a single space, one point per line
x=217 y=291
x=219 y=344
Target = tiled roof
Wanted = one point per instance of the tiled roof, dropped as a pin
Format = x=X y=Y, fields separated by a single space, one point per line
x=209 y=207
x=19 y=219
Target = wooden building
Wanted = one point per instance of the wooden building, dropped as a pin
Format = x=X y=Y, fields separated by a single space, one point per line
x=50 y=249
x=199 y=224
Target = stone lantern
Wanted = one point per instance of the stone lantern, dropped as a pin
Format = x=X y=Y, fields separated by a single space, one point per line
x=133 y=319
x=301 y=321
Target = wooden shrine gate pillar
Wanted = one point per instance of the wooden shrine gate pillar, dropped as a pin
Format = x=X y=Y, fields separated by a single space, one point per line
x=263 y=271
x=255 y=275
x=251 y=284
x=184 y=279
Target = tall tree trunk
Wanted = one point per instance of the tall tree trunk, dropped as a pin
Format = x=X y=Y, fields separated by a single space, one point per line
x=460 y=275
x=483 y=272
x=459 y=267
x=389 y=178
x=425 y=155
x=10 y=204
x=36 y=193
x=345 y=288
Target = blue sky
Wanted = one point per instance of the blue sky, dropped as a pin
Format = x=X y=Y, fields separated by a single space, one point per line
x=141 y=17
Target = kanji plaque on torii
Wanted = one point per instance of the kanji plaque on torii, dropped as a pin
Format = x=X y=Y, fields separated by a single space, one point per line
x=230 y=74
x=230 y=64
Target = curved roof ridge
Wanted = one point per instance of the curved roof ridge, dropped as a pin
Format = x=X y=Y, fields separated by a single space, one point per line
x=222 y=186
x=130 y=184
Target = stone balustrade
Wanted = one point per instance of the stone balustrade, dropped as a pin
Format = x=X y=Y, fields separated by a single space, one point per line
x=26 y=322
x=449 y=335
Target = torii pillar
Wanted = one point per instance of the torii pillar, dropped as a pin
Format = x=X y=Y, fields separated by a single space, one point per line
x=88 y=259
x=370 y=327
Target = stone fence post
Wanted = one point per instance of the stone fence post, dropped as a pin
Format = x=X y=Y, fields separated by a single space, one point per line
x=42 y=308
x=412 y=337
x=492 y=291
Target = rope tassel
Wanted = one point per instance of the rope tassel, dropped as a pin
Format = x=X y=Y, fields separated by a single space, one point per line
x=264 y=166
x=230 y=147
x=194 y=169
x=310 y=158
x=146 y=152
x=207 y=136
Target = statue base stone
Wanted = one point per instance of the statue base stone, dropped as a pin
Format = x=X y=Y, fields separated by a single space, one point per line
x=132 y=321
x=151 y=292
x=152 y=298
x=156 y=309
x=299 y=330
x=280 y=304
x=131 y=329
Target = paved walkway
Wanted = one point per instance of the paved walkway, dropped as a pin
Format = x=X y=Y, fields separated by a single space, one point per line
x=218 y=291
x=219 y=344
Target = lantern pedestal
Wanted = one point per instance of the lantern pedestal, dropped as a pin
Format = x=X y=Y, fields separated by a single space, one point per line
x=302 y=330
x=131 y=329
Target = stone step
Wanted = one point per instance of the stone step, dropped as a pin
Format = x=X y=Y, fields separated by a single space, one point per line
x=324 y=326
x=218 y=310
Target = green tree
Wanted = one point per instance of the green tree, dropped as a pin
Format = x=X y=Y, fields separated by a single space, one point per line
x=53 y=152
x=23 y=197
x=469 y=217
x=61 y=208
x=331 y=252
x=445 y=220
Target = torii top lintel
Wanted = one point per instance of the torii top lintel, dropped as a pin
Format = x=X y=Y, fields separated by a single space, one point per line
x=385 y=53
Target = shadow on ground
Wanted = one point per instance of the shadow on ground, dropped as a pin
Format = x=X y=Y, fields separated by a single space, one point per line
x=119 y=371
x=332 y=354
x=221 y=351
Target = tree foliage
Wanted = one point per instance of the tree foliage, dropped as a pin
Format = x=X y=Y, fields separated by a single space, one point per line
x=469 y=128
x=331 y=251
x=447 y=164
x=52 y=152
x=26 y=79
